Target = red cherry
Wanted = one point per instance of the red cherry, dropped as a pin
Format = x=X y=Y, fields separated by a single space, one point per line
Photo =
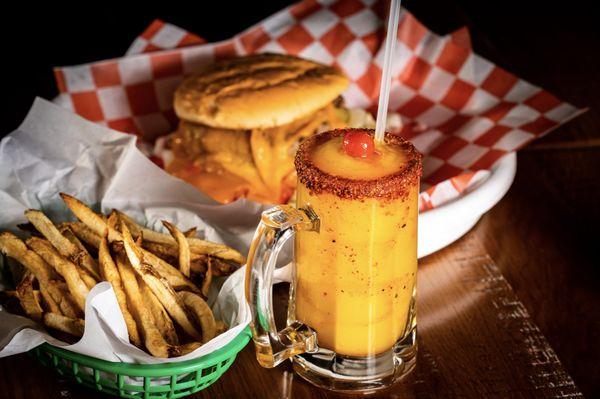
x=359 y=144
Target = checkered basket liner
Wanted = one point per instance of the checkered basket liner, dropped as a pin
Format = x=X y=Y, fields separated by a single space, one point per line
x=464 y=113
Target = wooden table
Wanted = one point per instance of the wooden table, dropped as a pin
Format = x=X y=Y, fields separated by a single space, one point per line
x=513 y=308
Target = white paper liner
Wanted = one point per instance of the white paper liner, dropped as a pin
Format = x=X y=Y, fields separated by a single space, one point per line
x=56 y=151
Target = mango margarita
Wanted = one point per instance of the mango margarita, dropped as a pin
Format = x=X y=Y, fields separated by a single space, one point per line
x=355 y=278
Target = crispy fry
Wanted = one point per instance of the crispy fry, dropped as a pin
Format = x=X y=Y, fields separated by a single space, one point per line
x=207 y=279
x=169 y=272
x=187 y=348
x=159 y=286
x=183 y=247
x=66 y=248
x=221 y=327
x=91 y=219
x=154 y=341
x=87 y=278
x=191 y=232
x=49 y=303
x=65 y=324
x=84 y=233
x=60 y=293
x=202 y=313
x=197 y=245
x=109 y=272
x=98 y=225
x=161 y=317
x=89 y=281
x=66 y=231
x=13 y=247
x=168 y=253
x=64 y=267
x=28 y=300
x=222 y=267
x=37 y=295
x=199 y=266
x=113 y=220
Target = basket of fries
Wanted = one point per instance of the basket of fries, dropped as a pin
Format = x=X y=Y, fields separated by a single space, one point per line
x=161 y=283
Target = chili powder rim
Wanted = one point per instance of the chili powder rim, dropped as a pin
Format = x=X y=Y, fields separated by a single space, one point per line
x=393 y=186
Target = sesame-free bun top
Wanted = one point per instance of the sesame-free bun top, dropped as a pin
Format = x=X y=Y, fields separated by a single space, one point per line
x=257 y=91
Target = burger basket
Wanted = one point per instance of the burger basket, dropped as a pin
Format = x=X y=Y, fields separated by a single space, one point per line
x=128 y=380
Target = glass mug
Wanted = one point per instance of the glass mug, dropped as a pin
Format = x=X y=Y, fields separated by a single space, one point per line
x=351 y=323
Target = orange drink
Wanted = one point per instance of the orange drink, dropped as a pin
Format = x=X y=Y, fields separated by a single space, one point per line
x=351 y=316
x=355 y=278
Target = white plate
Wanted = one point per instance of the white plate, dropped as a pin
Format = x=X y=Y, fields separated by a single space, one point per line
x=442 y=226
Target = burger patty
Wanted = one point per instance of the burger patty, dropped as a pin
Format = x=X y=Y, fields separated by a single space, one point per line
x=262 y=157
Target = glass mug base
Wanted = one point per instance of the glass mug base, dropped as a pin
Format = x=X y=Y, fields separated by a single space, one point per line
x=360 y=375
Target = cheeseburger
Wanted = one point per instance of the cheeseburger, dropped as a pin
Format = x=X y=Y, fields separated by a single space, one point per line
x=241 y=121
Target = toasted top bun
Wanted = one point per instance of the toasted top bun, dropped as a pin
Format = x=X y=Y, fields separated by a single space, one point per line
x=257 y=91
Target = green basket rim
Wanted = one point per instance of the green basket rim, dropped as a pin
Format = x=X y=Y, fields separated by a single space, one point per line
x=159 y=369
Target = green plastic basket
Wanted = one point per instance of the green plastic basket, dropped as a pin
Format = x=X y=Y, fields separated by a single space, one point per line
x=136 y=381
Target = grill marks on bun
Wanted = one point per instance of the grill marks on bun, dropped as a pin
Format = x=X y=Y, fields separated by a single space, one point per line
x=259 y=91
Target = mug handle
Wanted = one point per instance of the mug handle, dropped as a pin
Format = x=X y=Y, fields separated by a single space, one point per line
x=277 y=225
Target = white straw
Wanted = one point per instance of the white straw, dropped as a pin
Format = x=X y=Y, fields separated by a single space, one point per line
x=386 y=77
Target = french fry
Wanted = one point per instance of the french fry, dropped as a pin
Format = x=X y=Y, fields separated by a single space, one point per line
x=175 y=278
x=197 y=245
x=47 y=277
x=13 y=247
x=191 y=232
x=70 y=235
x=37 y=295
x=183 y=248
x=202 y=313
x=84 y=233
x=110 y=273
x=161 y=317
x=113 y=220
x=91 y=219
x=198 y=262
x=187 y=348
x=65 y=324
x=207 y=279
x=48 y=301
x=66 y=248
x=28 y=300
x=98 y=225
x=159 y=286
x=87 y=278
x=221 y=327
x=64 y=267
x=168 y=253
x=153 y=340
x=199 y=266
x=89 y=281
x=59 y=291
x=66 y=231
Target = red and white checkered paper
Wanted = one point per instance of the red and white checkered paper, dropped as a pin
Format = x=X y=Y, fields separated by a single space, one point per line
x=467 y=111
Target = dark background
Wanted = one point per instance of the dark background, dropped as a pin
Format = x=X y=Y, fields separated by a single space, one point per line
x=509 y=32
x=555 y=200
